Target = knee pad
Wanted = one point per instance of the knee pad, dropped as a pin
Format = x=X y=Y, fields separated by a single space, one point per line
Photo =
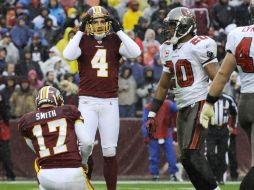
x=109 y=152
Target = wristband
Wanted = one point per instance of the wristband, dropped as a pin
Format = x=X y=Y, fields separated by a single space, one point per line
x=151 y=114
x=156 y=104
x=211 y=99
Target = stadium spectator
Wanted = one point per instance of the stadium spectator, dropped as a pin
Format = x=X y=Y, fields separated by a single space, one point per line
x=57 y=10
x=122 y=8
x=222 y=14
x=24 y=66
x=22 y=99
x=12 y=51
x=131 y=17
x=242 y=15
x=127 y=93
x=150 y=39
x=157 y=67
x=162 y=138
x=5 y=151
x=33 y=8
x=72 y=19
x=141 y=27
x=202 y=15
x=50 y=79
x=148 y=11
x=68 y=34
x=39 y=21
x=10 y=69
x=174 y=4
x=34 y=82
x=162 y=7
x=3 y=53
x=145 y=90
x=149 y=55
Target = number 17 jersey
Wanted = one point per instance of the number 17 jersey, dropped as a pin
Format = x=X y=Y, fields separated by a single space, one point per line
x=186 y=63
x=240 y=44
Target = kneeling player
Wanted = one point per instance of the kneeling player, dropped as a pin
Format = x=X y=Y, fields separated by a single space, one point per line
x=52 y=132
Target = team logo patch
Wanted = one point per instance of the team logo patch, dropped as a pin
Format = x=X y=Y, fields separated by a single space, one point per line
x=166 y=53
x=210 y=54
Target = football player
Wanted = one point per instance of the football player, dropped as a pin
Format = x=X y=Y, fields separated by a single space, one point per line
x=240 y=54
x=52 y=133
x=98 y=46
x=189 y=61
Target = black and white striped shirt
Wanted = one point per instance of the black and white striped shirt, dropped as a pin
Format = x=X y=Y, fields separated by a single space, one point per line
x=223 y=109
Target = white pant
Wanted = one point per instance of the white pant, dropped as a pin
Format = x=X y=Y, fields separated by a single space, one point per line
x=63 y=179
x=102 y=113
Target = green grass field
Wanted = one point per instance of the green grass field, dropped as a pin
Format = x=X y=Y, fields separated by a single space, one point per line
x=122 y=185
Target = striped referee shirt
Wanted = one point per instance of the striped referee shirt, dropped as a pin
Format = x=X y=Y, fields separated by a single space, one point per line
x=223 y=109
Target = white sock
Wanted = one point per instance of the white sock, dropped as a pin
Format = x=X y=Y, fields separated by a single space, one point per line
x=217 y=188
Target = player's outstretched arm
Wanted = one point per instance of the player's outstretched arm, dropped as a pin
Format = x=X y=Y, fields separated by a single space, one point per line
x=129 y=49
x=222 y=76
x=85 y=142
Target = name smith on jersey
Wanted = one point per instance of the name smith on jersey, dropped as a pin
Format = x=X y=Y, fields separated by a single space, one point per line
x=45 y=115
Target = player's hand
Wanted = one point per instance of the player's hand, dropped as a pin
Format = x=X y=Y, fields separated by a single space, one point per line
x=206 y=115
x=84 y=21
x=151 y=129
x=85 y=168
x=115 y=24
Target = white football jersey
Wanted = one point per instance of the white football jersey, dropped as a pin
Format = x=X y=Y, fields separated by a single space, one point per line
x=240 y=43
x=186 y=65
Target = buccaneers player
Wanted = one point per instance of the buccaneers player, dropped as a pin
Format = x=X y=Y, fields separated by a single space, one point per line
x=52 y=133
x=189 y=60
x=98 y=51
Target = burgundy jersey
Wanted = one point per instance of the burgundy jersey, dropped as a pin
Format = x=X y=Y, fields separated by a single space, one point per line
x=99 y=66
x=53 y=136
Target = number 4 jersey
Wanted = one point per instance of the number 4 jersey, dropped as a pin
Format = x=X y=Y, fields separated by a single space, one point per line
x=240 y=44
x=99 y=66
x=52 y=133
x=186 y=66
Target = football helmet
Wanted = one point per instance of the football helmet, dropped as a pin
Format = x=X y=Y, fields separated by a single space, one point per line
x=182 y=20
x=49 y=95
x=96 y=26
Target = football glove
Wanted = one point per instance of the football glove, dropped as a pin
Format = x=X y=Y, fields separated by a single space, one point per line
x=206 y=114
x=84 y=21
x=151 y=129
x=115 y=24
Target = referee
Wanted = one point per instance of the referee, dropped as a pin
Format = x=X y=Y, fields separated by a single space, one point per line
x=218 y=135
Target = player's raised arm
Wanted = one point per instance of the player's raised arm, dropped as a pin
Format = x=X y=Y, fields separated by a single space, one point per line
x=129 y=48
x=72 y=50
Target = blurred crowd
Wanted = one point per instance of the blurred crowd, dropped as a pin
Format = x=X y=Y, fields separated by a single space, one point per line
x=34 y=33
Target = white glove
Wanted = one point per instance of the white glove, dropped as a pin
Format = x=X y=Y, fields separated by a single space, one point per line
x=206 y=114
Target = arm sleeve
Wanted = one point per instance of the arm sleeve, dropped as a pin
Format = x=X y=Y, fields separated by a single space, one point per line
x=72 y=50
x=129 y=49
x=144 y=117
x=85 y=142
x=30 y=144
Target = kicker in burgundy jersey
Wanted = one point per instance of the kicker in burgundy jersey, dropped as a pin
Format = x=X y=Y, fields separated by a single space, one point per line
x=53 y=136
x=99 y=66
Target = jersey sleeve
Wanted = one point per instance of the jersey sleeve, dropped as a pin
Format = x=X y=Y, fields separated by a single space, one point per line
x=162 y=58
x=205 y=51
x=22 y=127
x=230 y=45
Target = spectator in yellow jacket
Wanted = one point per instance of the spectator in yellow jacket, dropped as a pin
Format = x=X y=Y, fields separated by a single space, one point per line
x=68 y=34
x=130 y=18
